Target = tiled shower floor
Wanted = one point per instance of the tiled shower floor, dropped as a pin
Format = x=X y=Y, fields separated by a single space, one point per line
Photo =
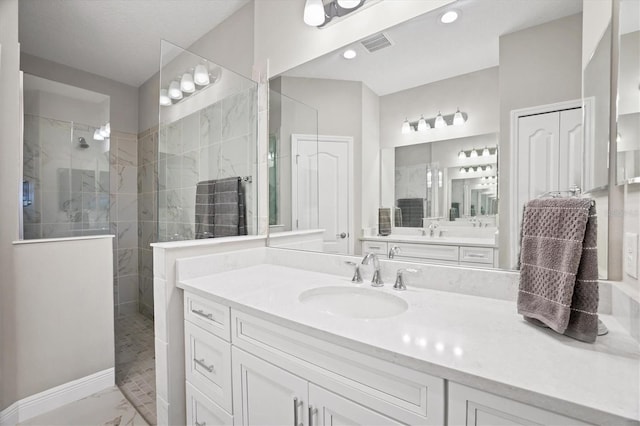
x=135 y=363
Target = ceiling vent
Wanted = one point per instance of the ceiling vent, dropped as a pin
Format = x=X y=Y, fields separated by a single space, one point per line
x=376 y=42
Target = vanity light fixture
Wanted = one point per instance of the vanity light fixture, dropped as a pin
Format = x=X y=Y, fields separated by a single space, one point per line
x=440 y=123
x=422 y=124
x=349 y=54
x=318 y=13
x=458 y=119
x=174 y=90
x=186 y=83
x=165 y=100
x=406 y=127
x=449 y=16
x=201 y=75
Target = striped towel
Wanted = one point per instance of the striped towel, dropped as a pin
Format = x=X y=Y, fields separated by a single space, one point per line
x=220 y=208
x=559 y=266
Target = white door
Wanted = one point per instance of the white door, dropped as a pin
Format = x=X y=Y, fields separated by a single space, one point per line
x=265 y=395
x=324 y=161
x=329 y=409
x=549 y=158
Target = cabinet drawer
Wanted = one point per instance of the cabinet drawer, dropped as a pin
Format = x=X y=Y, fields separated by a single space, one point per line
x=374 y=247
x=410 y=396
x=209 y=315
x=208 y=364
x=202 y=411
x=476 y=255
x=428 y=251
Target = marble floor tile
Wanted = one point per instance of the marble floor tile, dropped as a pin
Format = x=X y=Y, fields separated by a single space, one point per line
x=135 y=363
x=108 y=407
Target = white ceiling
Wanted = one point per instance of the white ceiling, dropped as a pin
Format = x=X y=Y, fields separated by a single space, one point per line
x=117 y=39
x=425 y=50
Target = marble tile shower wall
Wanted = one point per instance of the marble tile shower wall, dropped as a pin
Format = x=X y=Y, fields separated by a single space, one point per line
x=147 y=216
x=124 y=220
x=216 y=142
x=67 y=185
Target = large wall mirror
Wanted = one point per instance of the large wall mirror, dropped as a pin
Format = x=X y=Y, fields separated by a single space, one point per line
x=432 y=135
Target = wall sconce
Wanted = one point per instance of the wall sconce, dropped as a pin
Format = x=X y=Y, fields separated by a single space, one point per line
x=318 y=14
x=438 y=122
x=475 y=152
x=188 y=83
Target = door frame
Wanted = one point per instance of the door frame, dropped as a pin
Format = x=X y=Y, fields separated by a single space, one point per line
x=295 y=138
x=587 y=111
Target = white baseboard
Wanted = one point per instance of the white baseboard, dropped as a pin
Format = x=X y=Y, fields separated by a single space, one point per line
x=56 y=397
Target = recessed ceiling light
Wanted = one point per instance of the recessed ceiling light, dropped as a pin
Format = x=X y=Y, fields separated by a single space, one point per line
x=349 y=54
x=449 y=16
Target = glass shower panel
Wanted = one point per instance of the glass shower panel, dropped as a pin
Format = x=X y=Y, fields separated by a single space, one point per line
x=207 y=144
x=65 y=190
x=292 y=164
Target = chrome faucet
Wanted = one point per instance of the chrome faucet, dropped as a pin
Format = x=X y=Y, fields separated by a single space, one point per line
x=357 y=278
x=393 y=251
x=376 y=280
x=399 y=285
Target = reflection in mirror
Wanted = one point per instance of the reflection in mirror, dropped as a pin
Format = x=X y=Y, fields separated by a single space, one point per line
x=419 y=128
x=628 y=137
x=65 y=187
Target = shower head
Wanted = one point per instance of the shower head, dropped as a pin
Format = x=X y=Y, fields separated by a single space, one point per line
x=83 y=143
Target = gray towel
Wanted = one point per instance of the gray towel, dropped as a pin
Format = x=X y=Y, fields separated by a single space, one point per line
x=559 y=267
x=397 y=217
x=384 y=221
x=204 y=209
x=229 y=208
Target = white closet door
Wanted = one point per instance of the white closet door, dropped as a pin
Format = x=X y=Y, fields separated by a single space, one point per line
x=571 y=149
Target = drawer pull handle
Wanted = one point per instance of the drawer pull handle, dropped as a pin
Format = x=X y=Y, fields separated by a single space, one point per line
x=202 y=313
x=201 y=363
x=375 y=247
x=312 y=412
x=296 y=405
x=201 y=424
x=476 y=255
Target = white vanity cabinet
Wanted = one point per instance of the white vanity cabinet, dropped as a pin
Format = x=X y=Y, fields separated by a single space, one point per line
x=472 y=407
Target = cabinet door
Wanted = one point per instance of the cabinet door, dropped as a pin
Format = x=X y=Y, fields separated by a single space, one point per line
x=266 y=395
x=328 y=409
x=471 y=407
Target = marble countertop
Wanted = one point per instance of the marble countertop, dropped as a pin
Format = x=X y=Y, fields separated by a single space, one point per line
x=464 y=241
x=479 y=342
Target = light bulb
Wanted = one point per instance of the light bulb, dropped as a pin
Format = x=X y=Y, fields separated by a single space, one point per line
x=348 y=4
x=489 y=168
x=201 y=76
x=313 y=13
x=474 y=153
x=103 y=132
x=107 y=128
x=422 y=124
x=97 y=135
x=186 y=83
x=462 y=155
x=458 y=118
x=349 y=54
x=463 y=170
x=449 y=17
x=440 y=123
x=406 y=127
x=174 y=90
x=485 y=152
x=165 y=100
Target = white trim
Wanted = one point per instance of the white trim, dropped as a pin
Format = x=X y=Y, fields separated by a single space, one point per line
x=513 y=176
x=350 y=168
x=56 y=397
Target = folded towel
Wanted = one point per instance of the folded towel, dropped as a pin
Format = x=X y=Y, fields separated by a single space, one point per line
x=229 y=209
x=397 y=217
x=412 y=211
x=558 y=266
x=384 y=221
x=204 y=209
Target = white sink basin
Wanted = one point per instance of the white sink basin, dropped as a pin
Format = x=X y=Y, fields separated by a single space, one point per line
x=353 y=302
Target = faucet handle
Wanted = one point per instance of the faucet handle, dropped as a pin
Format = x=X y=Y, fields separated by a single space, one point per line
x=399 y=284
x=393 y=251
x=357 y=278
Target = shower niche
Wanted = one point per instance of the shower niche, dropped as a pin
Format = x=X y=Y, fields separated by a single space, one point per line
x=66 y=146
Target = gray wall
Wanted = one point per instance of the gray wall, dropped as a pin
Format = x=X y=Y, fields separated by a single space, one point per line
x=539 y=65
x=124 y=98
x=9 y=208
